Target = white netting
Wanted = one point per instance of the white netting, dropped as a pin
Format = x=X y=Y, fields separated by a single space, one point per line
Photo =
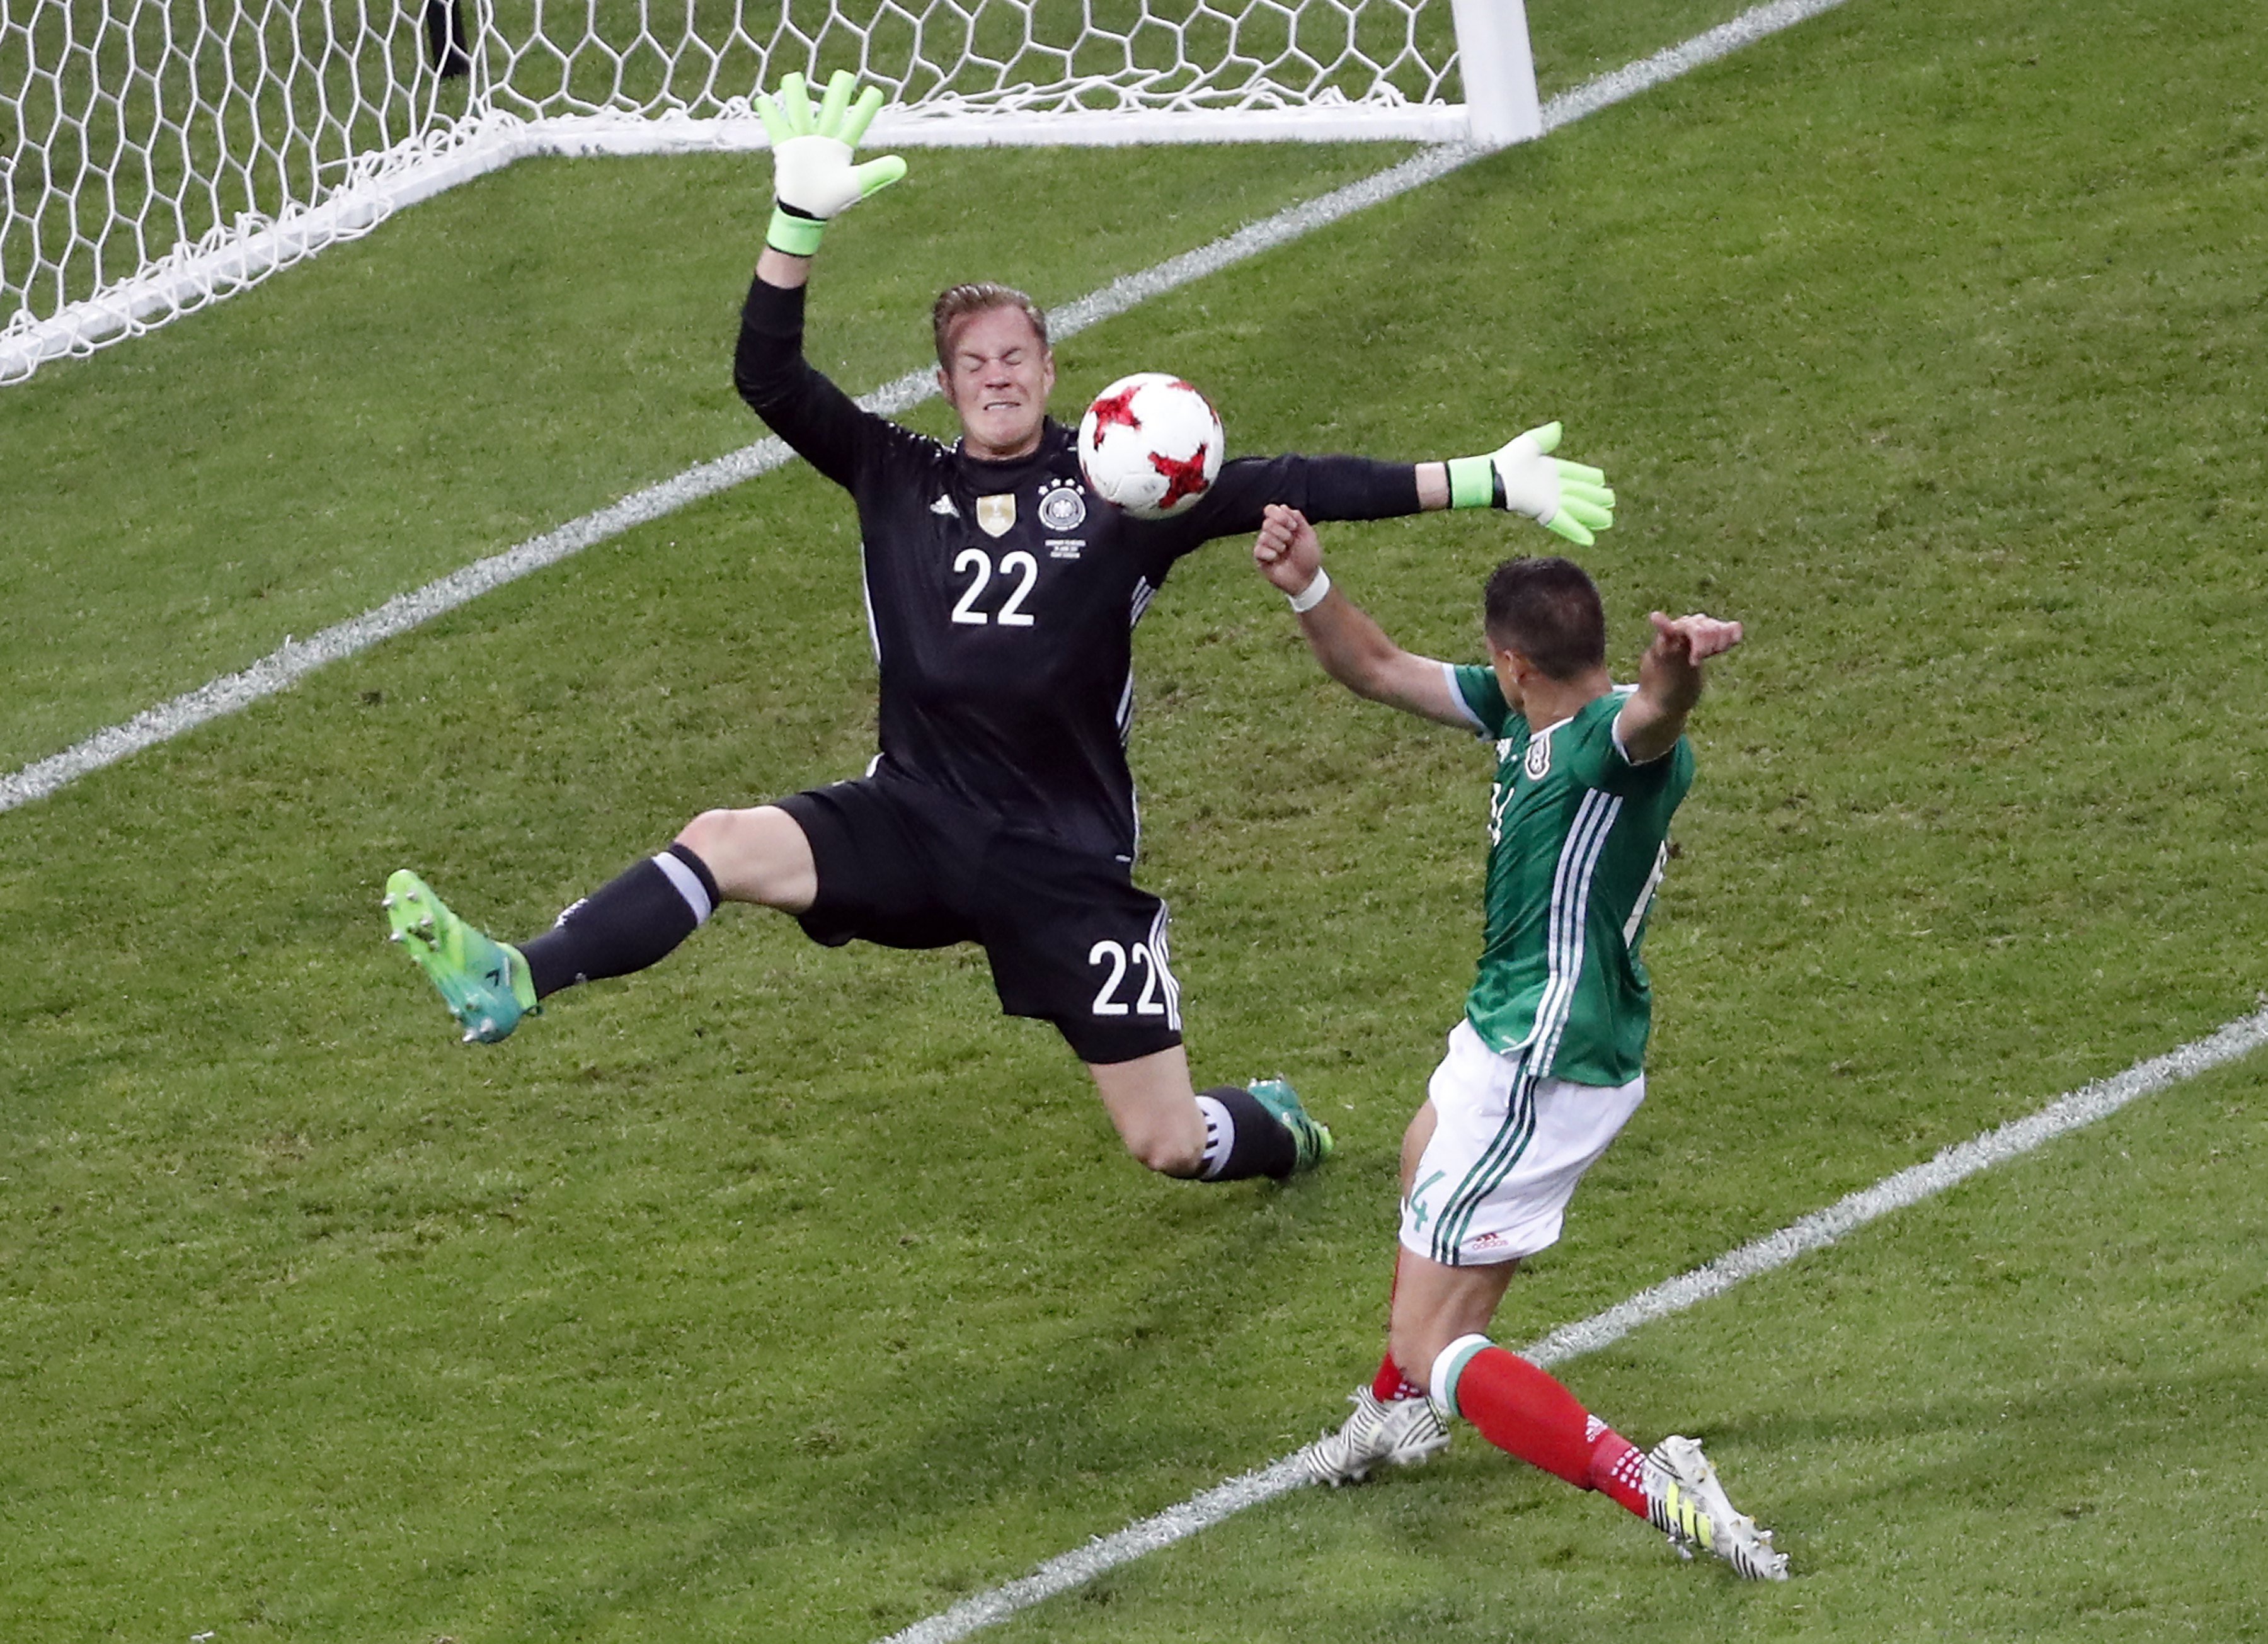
x=138 y=135
x=966 y=56
x=159 y=153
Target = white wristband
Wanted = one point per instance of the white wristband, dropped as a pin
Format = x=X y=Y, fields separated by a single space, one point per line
x=1309 y=597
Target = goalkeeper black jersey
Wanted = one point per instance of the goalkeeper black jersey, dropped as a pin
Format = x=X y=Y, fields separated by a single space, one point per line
x=1001 y=597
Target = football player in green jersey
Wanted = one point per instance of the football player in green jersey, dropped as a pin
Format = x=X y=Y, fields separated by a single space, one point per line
x=1548 y=1063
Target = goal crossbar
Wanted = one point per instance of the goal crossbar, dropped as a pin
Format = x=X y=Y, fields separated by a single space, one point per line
x=351 y=111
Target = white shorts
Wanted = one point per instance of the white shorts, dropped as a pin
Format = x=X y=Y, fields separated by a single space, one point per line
x=1505 y=1156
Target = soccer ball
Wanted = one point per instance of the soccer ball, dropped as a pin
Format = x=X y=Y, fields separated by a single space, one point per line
x=1151 y=444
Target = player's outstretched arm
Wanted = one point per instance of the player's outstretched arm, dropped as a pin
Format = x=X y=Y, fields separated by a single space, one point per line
x=1570 y=498
x=812 y=179
x=1669 y=682
x=1523 y=476
x=1353 y=649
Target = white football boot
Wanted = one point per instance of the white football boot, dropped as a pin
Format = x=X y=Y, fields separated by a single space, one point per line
x=1691 y=1507
x=1400 y=1432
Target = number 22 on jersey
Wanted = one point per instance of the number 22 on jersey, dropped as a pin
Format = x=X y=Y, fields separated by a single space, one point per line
x=976 y=565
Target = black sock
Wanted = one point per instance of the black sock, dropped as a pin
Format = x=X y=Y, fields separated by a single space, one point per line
x=627 y=923
x=1242 y=1138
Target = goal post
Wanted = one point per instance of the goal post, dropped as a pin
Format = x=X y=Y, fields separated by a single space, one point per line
x=1499 y=70
x=155 y=155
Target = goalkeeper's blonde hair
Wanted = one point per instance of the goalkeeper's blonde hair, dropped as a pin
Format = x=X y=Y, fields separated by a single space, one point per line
x=958 y=303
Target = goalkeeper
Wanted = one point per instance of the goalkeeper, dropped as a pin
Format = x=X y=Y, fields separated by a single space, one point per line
x=1001 y=599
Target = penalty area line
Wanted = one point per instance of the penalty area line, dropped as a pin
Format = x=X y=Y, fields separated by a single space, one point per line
x=1816 y=1231
x=296 y=659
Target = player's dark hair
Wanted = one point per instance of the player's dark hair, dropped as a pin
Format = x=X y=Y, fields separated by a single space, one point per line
x=1548 y=611
x=957 y=303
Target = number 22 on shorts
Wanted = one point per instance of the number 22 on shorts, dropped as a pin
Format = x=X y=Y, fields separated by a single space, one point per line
x=1120 y=960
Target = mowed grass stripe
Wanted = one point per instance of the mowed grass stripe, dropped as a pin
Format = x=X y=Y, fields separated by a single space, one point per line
x=295 y=660
x=1968 y=834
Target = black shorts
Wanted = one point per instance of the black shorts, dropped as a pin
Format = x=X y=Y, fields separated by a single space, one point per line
x=1071 y=939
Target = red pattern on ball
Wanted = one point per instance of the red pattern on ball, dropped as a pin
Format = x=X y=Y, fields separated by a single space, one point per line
x=1117 y=411
x=1185 y=476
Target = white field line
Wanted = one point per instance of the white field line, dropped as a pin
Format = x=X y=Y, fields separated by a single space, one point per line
x=296 y=659
x=1815 y=1231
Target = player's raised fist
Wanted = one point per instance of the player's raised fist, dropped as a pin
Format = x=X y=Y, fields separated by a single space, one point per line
x=1694 y=639
x=1286 y=550
x=813 y=178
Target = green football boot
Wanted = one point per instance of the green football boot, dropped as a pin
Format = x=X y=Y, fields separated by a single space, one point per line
x=1311 y=1141
x=485 y=984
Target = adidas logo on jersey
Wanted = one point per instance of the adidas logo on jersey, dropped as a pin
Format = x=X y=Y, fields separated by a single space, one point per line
x=945 y=505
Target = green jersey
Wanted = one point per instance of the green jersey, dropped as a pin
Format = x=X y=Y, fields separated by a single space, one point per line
x=1578 y=837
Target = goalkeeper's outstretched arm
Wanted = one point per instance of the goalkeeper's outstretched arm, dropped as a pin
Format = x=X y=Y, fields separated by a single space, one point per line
x=1571 y=499
x=1521 y=477
x=813 y=181
x=1352 y=648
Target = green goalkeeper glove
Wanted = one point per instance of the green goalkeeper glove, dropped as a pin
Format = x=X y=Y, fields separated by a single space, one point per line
x=813 y=178
x=1568 y=498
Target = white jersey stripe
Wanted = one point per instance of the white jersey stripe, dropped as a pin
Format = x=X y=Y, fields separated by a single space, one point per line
x=1571 y=891
x=1646 y=896
x=866 y=597
x=1577 y=916
x=1457 y=695
x=1144 y=592
x=1572 y=867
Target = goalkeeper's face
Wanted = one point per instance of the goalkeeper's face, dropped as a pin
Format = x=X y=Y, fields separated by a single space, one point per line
x=997 y=379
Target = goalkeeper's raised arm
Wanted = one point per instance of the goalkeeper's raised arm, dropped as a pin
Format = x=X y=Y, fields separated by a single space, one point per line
x=813 y=181
x=813 y=178
x=817 y=177
x=1521 y=476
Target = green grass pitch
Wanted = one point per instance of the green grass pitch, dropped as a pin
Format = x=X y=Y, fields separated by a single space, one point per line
x=788 y=1295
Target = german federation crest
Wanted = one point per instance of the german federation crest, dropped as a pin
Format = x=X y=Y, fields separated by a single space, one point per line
x=1062 y=506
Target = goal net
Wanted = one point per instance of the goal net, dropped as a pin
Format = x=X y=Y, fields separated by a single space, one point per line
x=159 y=154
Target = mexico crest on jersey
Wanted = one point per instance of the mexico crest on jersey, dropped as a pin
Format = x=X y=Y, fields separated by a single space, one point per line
x=996 y=514
x=1538 y=762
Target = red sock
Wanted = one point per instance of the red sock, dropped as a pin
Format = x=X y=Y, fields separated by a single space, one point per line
x=1618 y=1469
x=1391 y=1384
x=1526 y=1411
